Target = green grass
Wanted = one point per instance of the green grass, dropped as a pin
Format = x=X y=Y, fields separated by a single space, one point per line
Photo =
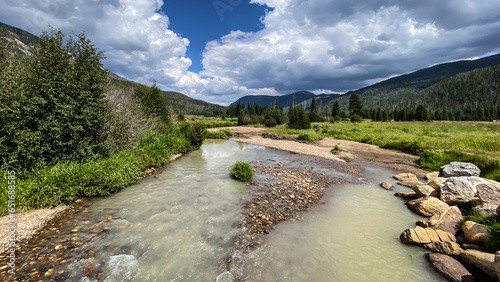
x=242 y=171
x=212 y=122
x=437 y=143
x=69 y=180
x=220 y=134
x=309 y=136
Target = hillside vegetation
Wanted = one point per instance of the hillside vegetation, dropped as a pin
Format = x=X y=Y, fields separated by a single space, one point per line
x=66 y=133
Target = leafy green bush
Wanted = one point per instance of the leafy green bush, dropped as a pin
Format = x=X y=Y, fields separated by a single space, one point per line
x=242 y=171
x=195 y=132
x=270 y=122
x=356 y=119
x=220 y=134
x=309 y=136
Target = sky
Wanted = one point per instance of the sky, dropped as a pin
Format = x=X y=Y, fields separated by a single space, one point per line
x=221 y=50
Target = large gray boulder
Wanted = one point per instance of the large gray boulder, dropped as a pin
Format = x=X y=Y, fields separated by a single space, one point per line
x=427 y=206
x=487 y=190
x=449 y=268
x=482 y=260
x=455 y=169
x=475 y=233
x=457 y=190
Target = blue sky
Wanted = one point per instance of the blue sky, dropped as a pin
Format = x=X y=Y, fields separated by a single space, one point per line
x=271 y=47
x=210 y=20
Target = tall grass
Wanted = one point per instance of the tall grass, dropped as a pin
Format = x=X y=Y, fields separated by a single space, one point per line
x=437 y=143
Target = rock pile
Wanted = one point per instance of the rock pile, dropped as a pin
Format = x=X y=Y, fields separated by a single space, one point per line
x=456 y=186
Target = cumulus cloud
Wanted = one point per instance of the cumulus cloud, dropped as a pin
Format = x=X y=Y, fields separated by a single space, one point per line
x=331 y=45
x=343 y=45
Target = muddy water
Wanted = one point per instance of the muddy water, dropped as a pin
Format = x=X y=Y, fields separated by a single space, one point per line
x=180 y=225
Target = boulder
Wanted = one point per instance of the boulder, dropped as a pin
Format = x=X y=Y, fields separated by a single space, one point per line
x=488 y=191
x=498 y=210
x=410 y=183
x=405 y=177
x=386 y=185
x=425 y=191
x=449 y=268
x=485 y=209
x=471 y=247
x=455 y=169
x=432 y=175
x=436 y=183
x=420 y=235
x=225 y=276
x=457 y=190
x=447 y=221
x=475 y=233
x=427 y=206
x=475 y=202
x=407 y=195
x=497 y=264
x=482 y=260
x=447 y=248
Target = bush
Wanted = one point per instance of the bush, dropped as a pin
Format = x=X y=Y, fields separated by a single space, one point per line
x=242 y=171
x=270 y=122
x=309 y=136
x=195 y=133
x=220 y=134
x=355 y=119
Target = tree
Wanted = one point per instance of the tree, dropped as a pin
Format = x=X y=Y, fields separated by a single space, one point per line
x=355 y=105
x=421 y=113
x=313 y=114
x=298 y=118
x=336 y=113
x=62 y=110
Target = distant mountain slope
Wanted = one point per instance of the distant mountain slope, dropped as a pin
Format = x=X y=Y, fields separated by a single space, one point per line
x=179 y=103
x=396 y=88
x=266 y=100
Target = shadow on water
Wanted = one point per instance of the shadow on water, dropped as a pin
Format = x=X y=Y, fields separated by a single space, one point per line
x=180 y=225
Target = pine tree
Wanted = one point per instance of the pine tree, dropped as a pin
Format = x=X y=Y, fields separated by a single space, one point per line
x=355 y=105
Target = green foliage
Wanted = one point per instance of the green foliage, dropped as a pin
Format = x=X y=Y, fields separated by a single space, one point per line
x=270 y=122
x=298 y=118
x=355 y=105
x=335 y=149
x=242 y=171
x=309 y=136
x=406 y=146
x=181 y=117
x=57 y=107
x=220 y=134
x=356 y=118
x=152 y=102
x=195 y=133
x=421 y=113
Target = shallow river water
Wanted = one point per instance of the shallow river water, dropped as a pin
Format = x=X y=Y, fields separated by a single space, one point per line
x=180 y=225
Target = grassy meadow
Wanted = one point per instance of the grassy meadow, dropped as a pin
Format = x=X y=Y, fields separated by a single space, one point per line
x=437 y=143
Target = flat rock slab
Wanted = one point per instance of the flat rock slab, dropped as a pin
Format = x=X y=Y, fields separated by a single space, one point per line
x=420 y=235
x=427 y=206
x=449 y=268
x=446 y=248
x=484 y=261
x=405 y=177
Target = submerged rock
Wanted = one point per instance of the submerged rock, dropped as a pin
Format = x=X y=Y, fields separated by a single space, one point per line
x=454 y=169
x=457 y=191
x=427 y=206
x=482 y=260
x=449 y=268
x=225 y=276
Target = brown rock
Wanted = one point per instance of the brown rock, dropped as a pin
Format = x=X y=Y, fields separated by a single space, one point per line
x=407 y=195
x=410 y=183
x=427 y=206
x=497 y=264
x=432 y=175
x=405 y=177
x=425 y=191
x=420 y=235
x=449 y=268
x=447 y=248
x=475 y=233
x=447 y=221
x=474 y=202
x=436 y=183
x=485 y=209
x=484 y=261
x=386 y=185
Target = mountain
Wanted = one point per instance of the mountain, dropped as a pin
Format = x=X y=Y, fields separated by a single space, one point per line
x=266 y=100
x=22 y=42
x=393 y=89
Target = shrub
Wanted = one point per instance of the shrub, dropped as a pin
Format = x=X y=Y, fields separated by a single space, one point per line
x=195 y=133
x=241 y=171
x=355 y=118
x=336 y=149
x=220 y=134
x=270 y=122
x=309 y=136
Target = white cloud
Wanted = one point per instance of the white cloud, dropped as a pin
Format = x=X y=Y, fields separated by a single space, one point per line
x=332 y=45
